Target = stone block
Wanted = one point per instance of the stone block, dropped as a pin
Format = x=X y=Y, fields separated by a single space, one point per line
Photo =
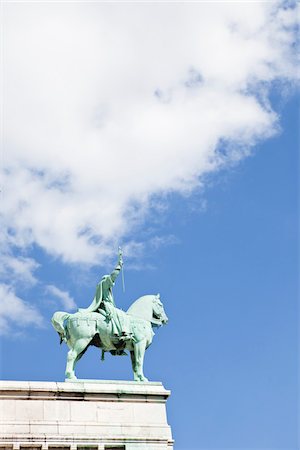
x=43 y=427
x=29 y=409
x=155 y=413
x=71 y=429
x=59 y=411
x=80 y=410
x=14 y=429
x=115 y=412
x=7 y=410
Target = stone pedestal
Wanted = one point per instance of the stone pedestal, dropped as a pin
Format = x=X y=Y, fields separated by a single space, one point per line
x=84 y=415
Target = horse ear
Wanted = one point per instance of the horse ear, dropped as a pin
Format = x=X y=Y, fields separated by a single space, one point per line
x=158 y=296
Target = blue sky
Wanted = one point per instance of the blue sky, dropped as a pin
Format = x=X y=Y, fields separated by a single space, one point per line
x=199 y=184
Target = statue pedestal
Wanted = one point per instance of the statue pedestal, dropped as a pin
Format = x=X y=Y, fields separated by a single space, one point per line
x=84 y=415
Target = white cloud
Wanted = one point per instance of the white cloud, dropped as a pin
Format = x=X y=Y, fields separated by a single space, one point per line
x=18 y=269
x=15 y=313
x=108 y=104
x=66 y=300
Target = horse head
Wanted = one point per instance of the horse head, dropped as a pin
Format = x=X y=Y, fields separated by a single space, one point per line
x=150 y=308
x=159 y=316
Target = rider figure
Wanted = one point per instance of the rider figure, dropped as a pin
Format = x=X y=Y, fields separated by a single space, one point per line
x=104 y=300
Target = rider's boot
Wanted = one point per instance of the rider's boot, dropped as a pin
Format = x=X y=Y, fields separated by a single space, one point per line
x=125 y=336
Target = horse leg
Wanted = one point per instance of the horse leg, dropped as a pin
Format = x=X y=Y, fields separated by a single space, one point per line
x=69 y=373
x=74 y=354
x=133 y=363
x=139 y=352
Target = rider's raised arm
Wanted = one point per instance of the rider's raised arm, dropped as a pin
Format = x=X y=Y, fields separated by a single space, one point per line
x=117 y=269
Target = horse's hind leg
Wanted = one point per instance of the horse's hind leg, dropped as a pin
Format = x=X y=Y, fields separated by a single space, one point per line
x=133 y=363
x=70 y=375
x=73 y=356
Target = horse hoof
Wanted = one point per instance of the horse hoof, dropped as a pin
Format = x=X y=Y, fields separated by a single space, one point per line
x=70 y=377
x=140 y=378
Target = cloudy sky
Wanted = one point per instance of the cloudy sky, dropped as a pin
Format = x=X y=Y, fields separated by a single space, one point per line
x=115 y=116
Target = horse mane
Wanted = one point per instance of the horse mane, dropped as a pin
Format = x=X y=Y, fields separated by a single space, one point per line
x=142 y=308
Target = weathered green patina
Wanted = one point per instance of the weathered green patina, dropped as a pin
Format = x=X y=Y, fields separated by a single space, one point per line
x=109 y=328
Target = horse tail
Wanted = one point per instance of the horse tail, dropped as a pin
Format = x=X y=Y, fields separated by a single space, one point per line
x=58 y=323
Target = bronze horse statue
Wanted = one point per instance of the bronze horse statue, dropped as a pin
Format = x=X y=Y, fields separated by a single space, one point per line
x=82 y=329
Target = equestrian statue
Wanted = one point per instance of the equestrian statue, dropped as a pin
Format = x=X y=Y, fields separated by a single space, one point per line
x=104 y=325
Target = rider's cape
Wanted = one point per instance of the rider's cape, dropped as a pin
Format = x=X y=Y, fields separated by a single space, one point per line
x=95 y=305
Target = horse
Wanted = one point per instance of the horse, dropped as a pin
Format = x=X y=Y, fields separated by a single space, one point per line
x=82 y=329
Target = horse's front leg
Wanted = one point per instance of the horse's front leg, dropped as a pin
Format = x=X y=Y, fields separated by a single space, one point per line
x=133 y=364
x=138 y=358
